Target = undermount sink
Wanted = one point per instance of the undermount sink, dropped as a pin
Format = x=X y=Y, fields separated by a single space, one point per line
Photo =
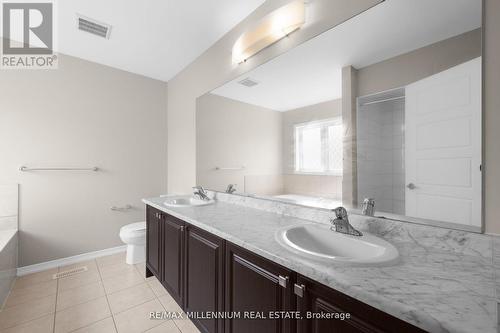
x=186 y=201
x=317 y=241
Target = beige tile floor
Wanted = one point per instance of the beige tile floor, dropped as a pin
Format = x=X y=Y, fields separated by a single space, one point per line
x=110 y=297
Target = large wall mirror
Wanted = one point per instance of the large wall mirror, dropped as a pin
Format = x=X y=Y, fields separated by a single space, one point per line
x=385 y=106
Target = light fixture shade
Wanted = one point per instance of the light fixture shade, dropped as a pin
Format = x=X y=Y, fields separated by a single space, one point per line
x=270 y=29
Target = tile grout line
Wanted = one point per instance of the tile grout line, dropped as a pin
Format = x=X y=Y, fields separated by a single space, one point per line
x=157 y=298
x=8 y=294
x=165 y=309
x=147 y=284
x=80 y=285
x=87 y=301
x=26 y=322
x=90 y=300
x=32 y=284
x=56 y=296
x=106 y=295
x=91 y=282
x=136 y=268
x=24 y=302
x=30 y=320
x=33 y=319
x=55 y=305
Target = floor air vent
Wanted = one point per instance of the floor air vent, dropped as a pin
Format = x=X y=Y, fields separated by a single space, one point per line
x=70 y=272
x=93 y=27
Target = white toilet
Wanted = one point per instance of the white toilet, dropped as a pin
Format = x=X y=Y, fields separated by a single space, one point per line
x=134 y=235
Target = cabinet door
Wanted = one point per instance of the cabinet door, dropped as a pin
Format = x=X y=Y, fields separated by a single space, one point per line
x=153 y=242
x=204 y=289
x=315 y=298
x=256 y=284
x=173 y=256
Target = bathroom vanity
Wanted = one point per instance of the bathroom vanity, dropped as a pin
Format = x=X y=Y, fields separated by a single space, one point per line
x=206 y=273
x=225 y=258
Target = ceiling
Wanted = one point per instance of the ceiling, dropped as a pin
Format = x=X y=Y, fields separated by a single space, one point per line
x=154 y=38
x=311 y=73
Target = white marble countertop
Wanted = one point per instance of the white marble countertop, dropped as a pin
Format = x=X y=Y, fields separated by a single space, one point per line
x=444 y=281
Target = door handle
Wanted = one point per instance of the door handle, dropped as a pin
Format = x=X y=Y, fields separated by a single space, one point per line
x=283 y=281
x=411 y=186
x=299 y=289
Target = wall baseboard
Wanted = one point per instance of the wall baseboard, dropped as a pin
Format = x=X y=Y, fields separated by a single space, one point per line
x=69 y=260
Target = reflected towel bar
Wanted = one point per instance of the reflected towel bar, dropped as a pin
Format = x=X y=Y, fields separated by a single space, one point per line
x=121 y=209
x=25 y=168
x=383 y=100
x=234 y=168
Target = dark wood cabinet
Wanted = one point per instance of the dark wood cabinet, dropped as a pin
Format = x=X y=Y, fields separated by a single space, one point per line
x=208 y=275
x=256 y=286
x=204 y=276
x=165 y=251
x=173 y=257
x=153 y=242
x=319 y=300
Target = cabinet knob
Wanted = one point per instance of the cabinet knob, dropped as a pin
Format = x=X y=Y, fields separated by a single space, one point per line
x=299 y=289
x=283 y=281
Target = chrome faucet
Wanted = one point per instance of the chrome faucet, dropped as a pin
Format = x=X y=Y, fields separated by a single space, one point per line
x=231 y=188
x=200 y=192
x=368 y=207
x=341 y=223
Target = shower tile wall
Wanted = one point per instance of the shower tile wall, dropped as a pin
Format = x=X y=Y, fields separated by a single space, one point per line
x=381 y=155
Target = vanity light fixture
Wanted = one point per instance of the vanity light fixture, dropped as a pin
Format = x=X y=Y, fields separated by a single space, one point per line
x=269 y=30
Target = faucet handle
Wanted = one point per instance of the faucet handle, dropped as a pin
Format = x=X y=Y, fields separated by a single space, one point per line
x=340 y=212
x=231 y=188
x=368 y=207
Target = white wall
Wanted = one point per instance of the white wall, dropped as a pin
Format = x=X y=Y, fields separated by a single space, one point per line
x=410 y=67
x=82 y=114
x=230 y=133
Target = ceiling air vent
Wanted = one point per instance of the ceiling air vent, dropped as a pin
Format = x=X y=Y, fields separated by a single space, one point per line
x=92 y=26
x=248 y=82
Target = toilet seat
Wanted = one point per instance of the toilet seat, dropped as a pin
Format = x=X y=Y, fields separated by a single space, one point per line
x=134 y=229
x=134 y=235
